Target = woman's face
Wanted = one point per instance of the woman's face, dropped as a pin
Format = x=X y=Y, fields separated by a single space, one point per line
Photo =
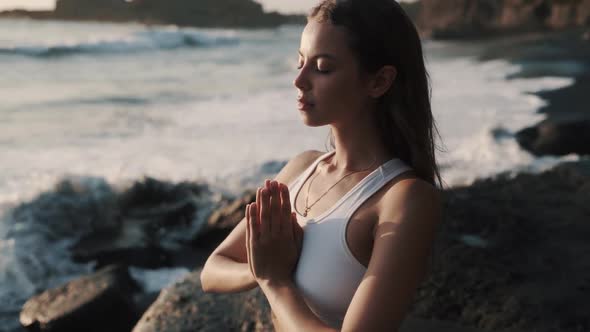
x=330 y=84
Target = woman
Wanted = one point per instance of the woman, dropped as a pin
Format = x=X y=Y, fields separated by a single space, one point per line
x=341 y=240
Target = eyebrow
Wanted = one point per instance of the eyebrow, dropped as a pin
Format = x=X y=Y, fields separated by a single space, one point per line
x=321 y=55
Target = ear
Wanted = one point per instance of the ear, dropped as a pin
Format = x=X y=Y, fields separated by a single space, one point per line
x=382 y=81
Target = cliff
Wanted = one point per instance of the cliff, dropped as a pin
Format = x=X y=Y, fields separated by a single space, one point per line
x=199 y=13
x=477 y=18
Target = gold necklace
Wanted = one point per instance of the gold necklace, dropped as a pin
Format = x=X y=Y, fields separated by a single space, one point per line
x=308 y=207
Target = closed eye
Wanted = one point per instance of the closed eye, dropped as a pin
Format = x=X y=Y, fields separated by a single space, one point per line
x=316 y=69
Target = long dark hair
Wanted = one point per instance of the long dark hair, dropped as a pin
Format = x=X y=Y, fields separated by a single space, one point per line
x=382 y=34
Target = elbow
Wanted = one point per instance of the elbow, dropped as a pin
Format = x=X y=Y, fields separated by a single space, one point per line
x=206 y=284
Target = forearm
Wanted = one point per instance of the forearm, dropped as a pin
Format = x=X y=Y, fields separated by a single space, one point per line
x=221 y=274
x=291 y=312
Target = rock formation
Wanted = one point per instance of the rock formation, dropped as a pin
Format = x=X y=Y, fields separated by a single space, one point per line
x=474 y=18
x=557 y=137
x=98 y=302
x=199 y=13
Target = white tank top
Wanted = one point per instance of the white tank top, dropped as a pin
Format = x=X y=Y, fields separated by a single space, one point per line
x=327 y=273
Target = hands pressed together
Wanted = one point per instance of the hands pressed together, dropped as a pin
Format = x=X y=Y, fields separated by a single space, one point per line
x=273 y=236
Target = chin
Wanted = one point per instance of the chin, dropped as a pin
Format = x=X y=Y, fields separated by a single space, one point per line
x=310 y=121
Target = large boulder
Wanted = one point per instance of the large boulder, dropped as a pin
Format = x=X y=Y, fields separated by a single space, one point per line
x=222 y=221
x=556 y=137
x=93 y=303
x=185 y=307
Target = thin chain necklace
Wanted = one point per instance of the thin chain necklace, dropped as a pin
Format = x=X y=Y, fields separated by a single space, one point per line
x=308 y=207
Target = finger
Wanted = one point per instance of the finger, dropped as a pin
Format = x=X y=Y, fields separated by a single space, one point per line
x=254 y=236
x=248 y=236
x=275 y=210
x=285 y=208
x=267 y=186
x=254 y=225
x=264 y=213
x=247 y=226
x=258 y=197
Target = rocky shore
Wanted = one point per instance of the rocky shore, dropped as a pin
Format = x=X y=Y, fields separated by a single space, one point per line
x=507 y=258
x=474 y=19
x=509 y=255
x=566 y=127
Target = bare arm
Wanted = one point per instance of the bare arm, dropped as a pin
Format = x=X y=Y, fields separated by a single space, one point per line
x=226 y=270
x=403 y=239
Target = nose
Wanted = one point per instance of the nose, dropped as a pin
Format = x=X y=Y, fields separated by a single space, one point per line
x=301 y=81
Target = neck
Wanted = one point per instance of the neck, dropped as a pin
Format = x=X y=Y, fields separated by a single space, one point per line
x=358 y=146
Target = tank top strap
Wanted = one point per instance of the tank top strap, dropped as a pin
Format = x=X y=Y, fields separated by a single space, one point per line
x=381 y=177
x=296 y=184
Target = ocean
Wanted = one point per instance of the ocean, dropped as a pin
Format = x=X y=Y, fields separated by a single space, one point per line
x=112 y=103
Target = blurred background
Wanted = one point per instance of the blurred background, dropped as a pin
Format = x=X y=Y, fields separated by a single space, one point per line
x=104 y=100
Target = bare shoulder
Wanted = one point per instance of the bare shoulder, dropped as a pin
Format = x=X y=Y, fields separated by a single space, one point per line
x=297 y=165
x=413 y=198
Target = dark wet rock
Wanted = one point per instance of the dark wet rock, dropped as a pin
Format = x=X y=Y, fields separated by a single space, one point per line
x=508 y=254
x=148 y=212
x=107 y=247
x=557 y=137
x=75 y=206
x=98 y=302
x=223 y=220
x=147 y=197
x=230 y=213
x=185 y=307
x=143 y=225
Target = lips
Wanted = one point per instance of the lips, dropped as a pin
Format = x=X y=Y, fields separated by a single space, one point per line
x=304 y=104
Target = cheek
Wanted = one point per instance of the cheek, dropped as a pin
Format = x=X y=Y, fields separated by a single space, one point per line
x=341 y=92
